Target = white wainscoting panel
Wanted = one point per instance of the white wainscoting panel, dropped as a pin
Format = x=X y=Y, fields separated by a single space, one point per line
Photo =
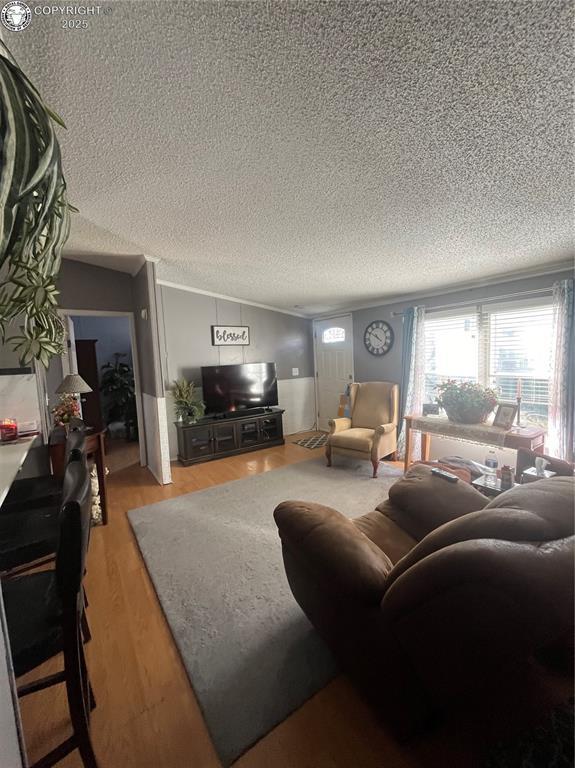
x=297 y=397
x=157 y=445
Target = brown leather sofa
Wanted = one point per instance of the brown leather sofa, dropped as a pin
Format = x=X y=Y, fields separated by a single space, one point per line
x=437 y=596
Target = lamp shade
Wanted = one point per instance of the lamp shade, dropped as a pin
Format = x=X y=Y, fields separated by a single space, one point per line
x=73 y=384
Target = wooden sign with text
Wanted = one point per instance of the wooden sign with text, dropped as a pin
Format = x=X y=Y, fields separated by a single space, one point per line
x=230 y=335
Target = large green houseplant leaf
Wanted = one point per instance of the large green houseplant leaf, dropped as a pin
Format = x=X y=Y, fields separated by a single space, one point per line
x=34 y=216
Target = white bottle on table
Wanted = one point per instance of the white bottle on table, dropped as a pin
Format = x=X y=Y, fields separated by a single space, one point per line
x=491 y=472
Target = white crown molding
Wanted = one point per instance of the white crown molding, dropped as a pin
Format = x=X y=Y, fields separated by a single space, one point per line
x=550 y=269
x=222 y=296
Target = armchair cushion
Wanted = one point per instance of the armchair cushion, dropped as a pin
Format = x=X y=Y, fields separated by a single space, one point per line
x=373 y=403
x=330 y=545
x=353 y=439
x=422 y=502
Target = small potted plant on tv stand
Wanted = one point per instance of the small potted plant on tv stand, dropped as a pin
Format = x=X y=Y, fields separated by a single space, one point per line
x=189 y=408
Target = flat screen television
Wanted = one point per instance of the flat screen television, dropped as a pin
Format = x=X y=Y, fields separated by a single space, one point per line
x=229 y=388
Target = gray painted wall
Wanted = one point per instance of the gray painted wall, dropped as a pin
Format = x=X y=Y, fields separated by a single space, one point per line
x=83 y=286
x=187 y=344
x=388 y=368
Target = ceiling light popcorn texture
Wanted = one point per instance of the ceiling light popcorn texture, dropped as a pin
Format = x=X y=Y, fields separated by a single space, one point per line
x=34 y=223
x=318 y=153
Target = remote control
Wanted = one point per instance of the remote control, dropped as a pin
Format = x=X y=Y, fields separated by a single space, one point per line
x=444 y=475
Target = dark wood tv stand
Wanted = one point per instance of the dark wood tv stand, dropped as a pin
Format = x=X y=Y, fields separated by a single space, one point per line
x=216 y=437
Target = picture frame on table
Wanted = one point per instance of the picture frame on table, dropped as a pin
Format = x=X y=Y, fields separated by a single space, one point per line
x=505 y=415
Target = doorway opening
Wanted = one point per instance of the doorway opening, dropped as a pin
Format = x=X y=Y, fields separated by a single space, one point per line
x=101 y=349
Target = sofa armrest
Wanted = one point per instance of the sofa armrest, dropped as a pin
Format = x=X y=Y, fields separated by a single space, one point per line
x=339 y=425
x=330 y=547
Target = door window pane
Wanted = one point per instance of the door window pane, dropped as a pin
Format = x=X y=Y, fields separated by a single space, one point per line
x=333 y=335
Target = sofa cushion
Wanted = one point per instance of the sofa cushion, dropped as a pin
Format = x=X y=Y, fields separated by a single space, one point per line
x=421 y=502
x=354 y=439
x=461 y=472
x=552 y=499
x=386 y=534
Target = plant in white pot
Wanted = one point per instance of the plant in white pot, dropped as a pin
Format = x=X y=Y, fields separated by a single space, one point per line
x=187 y=405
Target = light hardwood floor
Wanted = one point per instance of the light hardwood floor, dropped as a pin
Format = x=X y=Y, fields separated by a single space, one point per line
x=147 y=715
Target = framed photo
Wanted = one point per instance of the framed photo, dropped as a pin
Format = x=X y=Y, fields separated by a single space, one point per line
x=505 y=415
x=230 y=335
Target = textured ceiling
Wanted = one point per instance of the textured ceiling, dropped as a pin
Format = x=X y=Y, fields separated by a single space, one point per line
x=316 y=153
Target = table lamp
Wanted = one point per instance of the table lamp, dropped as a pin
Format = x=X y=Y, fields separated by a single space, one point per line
x=69 y=408
x=73 y=384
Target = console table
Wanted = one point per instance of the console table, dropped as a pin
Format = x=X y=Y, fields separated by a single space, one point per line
x=531 y=438
x=214 y=438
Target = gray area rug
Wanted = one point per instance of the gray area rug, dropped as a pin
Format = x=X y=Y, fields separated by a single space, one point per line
x=215 y=559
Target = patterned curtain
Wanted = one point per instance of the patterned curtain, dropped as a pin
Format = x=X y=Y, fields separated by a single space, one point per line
x=412 y=390
x=561 y=433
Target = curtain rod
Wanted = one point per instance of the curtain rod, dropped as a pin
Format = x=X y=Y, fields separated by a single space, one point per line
x=491 y=299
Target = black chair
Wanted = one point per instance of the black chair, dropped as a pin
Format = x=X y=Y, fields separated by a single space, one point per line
x=45 y=490
x=43 y=615
x=29 y=534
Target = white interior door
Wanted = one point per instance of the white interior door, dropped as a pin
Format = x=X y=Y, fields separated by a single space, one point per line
x=334 y=364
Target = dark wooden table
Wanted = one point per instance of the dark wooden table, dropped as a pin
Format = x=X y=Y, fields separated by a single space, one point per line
x=94 y=449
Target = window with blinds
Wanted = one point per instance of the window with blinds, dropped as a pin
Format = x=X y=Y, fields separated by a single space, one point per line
x=451 y=349
x=506 y=346
x=518 y=350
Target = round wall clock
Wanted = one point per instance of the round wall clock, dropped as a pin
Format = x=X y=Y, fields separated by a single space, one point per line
x=378 y=337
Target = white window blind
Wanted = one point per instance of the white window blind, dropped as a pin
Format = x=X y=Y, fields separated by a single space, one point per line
x=518 y=345
x=505 y=346
x=451 y=349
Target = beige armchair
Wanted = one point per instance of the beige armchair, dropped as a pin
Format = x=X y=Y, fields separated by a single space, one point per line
x=371 y=432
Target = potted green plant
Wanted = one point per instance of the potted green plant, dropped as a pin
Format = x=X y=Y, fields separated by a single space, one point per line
x=466 y=402
x=188 y=406
x=117 y=384
x=35 y=220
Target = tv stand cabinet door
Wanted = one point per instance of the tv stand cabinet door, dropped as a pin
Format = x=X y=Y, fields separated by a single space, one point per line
x=198 y=441
x=225 y=437
x=248 y=432
x=271 y=427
